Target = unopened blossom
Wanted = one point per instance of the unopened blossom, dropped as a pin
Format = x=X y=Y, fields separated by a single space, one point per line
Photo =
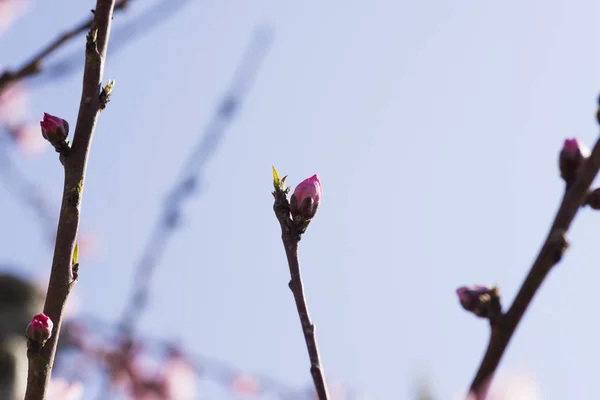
x=482 y=301
x=40 y=328
x=55 y=130
x=306 y=198
x=10 y=10
x=572 y=157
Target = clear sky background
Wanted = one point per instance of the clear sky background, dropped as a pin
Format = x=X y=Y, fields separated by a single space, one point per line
x=435 y=128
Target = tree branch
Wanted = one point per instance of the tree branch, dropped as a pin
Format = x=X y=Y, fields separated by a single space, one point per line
x=290 y=235
x=549 y=255
x=75 y=163
x=34 y=65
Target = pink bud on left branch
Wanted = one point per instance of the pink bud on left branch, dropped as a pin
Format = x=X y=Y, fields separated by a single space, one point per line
x=55 y=130
x=39 y=329
x=306 y=199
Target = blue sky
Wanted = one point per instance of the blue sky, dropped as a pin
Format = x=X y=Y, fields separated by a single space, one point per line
x=434 y=127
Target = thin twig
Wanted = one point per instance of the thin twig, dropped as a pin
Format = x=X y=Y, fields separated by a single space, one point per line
x=34 y=65
x=121 y=36
x=75 y=163
x=549 y=255
x=291 y=233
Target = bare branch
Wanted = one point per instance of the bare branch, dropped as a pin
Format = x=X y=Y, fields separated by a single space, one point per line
x=75 y=163
x=502 y=330
x=34 y=65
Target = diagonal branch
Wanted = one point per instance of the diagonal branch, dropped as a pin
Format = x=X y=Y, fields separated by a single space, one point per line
x=34 y=65
x=75 y=161
x=122 y=35
x=548 y=256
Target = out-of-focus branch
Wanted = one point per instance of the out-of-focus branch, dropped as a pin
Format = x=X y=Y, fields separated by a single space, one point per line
x=189 y=180
x=121 y=35
x=192 y=174
x=88 y=339
x=34 y=65
x=41 y=358
x=504 y=327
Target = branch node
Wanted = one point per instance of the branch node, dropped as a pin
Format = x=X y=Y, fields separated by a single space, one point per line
x=106 y=93
x=558 y=245
x=91 y=40
x=483 y=301
x=75 y=269
x=592 y=199
x=75 y=195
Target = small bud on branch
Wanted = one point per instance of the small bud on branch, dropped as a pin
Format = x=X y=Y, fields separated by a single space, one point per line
x=593 y=199
x=572 y=157
x=39 y=329
x=105 y=93
x=55 y=130
x=483 y=301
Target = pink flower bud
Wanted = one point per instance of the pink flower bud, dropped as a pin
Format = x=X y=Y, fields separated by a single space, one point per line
x=482 y=301
x=40 y=328
x=59 y=389
x=572 y=157
x=306 y=198
x=54 y=129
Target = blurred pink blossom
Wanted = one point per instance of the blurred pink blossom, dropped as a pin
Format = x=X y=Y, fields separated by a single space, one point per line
x=88 y=244
x=10 y=10
x=517 y=385
x=27 y=138
x=59 y=389
x=245 y=385
x=180 y=379
x=143 y=378
x=337 y=391
x=14 y=102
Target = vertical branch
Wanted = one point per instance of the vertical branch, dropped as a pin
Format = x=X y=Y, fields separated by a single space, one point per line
x=291 y=232
x=41 y=359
